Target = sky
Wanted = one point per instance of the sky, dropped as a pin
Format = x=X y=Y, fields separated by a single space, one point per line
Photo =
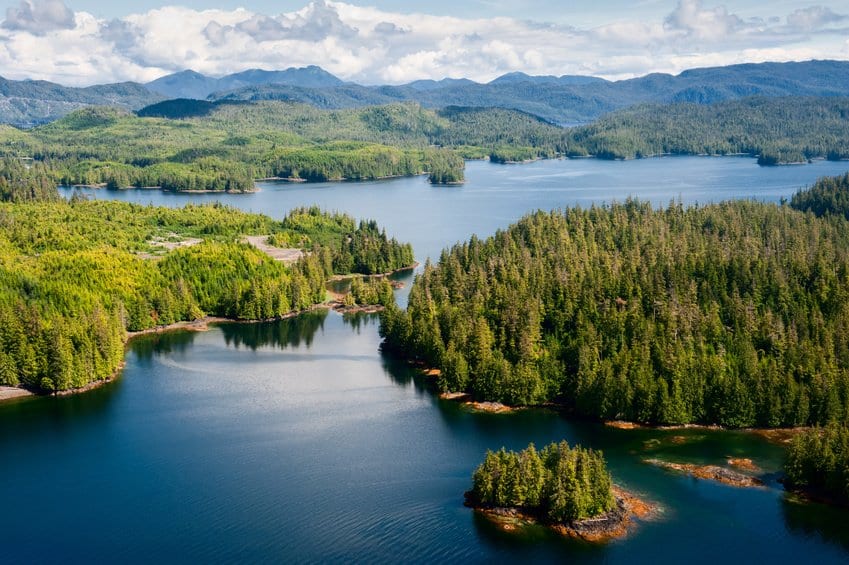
x=83 y=42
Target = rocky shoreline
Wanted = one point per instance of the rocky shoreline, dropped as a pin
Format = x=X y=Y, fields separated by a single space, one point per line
x=611 y=525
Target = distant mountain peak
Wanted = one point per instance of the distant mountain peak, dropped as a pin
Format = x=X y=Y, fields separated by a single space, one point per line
x=191 y=84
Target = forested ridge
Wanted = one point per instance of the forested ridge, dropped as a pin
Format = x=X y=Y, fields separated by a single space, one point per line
x=776 y=130
x=560 y=483
x=76 y=276
x=734 y=314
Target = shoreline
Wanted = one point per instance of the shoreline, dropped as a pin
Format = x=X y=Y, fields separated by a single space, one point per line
x=8 y=393
x=773 y=435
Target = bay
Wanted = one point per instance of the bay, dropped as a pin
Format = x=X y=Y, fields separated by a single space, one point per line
x=298 y=441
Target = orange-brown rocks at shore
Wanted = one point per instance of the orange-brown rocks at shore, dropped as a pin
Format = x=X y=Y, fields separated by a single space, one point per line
x=491 y=407
x=454 y=396
x=777 y=435
x=710 y=472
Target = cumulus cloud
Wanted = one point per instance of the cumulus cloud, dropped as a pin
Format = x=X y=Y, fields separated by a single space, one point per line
x=39 y=16
x=44 y=39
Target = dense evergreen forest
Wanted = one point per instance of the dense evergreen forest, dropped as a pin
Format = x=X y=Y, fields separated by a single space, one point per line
x=818 y=463
x=734 y=313
x=776 y=130
x=561 y=483
x=76 y=276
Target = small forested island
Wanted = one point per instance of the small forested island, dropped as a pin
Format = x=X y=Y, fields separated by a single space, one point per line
x=76 y=276
x=567 y=488
x=733 y=314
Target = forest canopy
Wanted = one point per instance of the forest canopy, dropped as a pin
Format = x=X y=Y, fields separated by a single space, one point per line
x=226 y=146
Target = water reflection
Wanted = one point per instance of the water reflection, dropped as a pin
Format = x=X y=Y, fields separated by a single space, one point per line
x=359 y=320
x=401 y=373
x=820 y=521
x=53 y=415
x=146 y=347
x=282 y=334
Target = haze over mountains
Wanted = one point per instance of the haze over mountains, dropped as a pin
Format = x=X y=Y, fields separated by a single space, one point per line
x=563 y=100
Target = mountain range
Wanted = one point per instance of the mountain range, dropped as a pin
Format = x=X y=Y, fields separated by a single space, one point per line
x=563 y=100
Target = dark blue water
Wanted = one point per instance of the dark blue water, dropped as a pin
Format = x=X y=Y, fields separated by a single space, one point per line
x=297 y=441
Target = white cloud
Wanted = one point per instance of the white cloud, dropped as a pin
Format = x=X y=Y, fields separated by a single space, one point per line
x=44 y=39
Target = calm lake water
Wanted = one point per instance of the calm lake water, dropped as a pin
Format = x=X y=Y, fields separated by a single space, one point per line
x=297 y=441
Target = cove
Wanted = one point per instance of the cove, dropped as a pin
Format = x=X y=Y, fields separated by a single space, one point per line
x=298 y=441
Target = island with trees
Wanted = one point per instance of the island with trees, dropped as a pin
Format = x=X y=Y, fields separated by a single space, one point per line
x=567 y=488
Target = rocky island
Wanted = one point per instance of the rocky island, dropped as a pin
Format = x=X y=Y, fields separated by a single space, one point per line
x=566 y=488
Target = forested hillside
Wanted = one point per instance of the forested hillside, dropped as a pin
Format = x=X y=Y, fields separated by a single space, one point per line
x=76 y=276
x=200 y=146
x=776 y=130
x=735 y=314
x=205 y=146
